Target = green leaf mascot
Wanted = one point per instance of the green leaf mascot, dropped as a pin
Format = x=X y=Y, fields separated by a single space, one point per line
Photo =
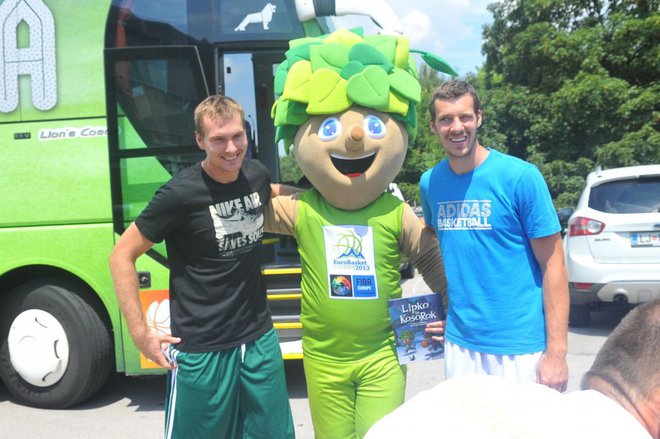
x=347 y=105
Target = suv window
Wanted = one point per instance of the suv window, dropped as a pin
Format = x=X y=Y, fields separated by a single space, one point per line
x=638 y=195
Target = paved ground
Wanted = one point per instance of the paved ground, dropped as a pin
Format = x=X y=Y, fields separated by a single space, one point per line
x=133 y=407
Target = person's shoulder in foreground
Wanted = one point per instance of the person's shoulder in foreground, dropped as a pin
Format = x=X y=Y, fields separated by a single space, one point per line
x=470 y=406
x=627 y=367
x=620 y=397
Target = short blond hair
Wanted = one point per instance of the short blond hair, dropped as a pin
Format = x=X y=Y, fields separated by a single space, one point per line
x=217 y=107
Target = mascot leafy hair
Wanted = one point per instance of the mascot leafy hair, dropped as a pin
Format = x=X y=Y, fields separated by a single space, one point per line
x=329 y=74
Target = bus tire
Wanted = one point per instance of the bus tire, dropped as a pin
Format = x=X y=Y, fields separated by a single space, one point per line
x=57 y=341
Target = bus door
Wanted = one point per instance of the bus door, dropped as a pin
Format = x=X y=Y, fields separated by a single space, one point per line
x=151 y=97
x=280 y=258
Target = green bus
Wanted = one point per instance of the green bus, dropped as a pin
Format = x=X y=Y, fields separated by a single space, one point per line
x=96 y=112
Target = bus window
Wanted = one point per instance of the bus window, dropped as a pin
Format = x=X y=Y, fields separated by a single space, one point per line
x=147 y=22
x=152 y=96
x=248 y=78
x=156 y=90
x=237 y=68
x=255 y=20
x=159 y=99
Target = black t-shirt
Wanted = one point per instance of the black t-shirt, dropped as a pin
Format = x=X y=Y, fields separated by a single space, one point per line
x=213 y=233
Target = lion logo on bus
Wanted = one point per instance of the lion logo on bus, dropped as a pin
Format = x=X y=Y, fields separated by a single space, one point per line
x=264 y=17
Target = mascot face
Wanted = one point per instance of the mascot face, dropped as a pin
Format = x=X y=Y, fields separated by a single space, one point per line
x=351 y=157
x=347 y=105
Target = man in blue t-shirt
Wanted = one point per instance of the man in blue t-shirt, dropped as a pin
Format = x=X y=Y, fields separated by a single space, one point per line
x=499 y=237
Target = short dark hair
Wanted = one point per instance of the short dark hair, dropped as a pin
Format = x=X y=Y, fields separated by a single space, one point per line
x=217 y=107
x=630 y=358
x=451 y=90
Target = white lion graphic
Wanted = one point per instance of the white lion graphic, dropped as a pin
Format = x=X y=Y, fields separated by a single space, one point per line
x=264 y=17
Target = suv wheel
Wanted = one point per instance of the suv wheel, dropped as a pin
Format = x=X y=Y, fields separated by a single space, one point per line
x=579 y=315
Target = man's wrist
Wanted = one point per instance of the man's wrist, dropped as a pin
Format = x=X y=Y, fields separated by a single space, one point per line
x=556 y=352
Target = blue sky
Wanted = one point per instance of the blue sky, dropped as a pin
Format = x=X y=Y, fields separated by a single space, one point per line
x=449 y=28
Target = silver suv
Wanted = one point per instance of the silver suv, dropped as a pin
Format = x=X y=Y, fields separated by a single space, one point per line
x=612 y=244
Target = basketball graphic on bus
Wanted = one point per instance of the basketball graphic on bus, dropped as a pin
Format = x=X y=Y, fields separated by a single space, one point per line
x=158 y=316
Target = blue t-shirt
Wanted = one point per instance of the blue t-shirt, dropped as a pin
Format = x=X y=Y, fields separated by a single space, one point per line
x=484 y=220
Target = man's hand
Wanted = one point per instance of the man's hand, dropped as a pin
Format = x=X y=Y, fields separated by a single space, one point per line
x=153 y=346
x=552 y=371
x=436 y=330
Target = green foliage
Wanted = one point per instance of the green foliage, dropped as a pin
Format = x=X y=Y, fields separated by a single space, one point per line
x=569 y=84
x=424 y=151
x=565 y=179
x=637 y=148
x=566 y=85
x=290 y=172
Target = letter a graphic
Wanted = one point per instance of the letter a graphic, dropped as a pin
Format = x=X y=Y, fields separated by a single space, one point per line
x=37 y=60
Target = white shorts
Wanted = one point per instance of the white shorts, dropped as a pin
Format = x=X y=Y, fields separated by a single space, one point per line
x=463 y=361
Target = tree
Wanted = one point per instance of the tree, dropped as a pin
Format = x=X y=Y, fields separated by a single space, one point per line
x=424 y=151
x=290 y=172
x=568 y=84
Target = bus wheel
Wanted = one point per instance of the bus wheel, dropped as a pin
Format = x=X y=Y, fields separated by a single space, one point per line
x=55 y=350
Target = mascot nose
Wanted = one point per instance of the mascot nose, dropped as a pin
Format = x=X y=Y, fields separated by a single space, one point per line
x=355 y=137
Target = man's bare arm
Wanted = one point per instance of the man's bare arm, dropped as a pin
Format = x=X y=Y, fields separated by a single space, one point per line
x=552 y=369
x=280 y=215
x=278 y=189
x=131 y=245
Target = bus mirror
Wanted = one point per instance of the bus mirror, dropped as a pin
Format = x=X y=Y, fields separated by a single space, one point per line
x=378 y=10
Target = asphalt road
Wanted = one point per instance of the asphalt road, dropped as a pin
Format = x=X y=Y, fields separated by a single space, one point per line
x=132 y=407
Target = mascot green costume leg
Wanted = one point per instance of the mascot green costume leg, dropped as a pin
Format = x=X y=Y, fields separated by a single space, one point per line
x=347 y=105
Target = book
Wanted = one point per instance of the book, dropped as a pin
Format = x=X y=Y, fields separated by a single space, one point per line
x=409 y=316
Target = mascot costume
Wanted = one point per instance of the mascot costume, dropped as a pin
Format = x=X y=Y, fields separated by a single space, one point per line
x=346 y=104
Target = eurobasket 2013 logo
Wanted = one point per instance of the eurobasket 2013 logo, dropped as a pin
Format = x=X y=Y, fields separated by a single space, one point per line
x=351 y=265
x=353 y=276
x=349 y=245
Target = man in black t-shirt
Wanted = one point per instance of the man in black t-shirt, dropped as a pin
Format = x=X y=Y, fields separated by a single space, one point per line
x=223 y=343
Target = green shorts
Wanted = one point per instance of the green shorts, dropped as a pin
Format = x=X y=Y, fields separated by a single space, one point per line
x=234 y=393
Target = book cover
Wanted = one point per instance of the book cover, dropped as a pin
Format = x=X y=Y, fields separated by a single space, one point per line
x=409 y=316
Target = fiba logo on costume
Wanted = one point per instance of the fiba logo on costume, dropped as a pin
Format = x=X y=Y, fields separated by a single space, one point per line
x=158 y=317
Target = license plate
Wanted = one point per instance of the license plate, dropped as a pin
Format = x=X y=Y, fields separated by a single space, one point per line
x=650 y=239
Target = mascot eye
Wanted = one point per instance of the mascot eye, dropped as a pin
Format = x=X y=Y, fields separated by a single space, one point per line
x=374 y=127
x=330 y=129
